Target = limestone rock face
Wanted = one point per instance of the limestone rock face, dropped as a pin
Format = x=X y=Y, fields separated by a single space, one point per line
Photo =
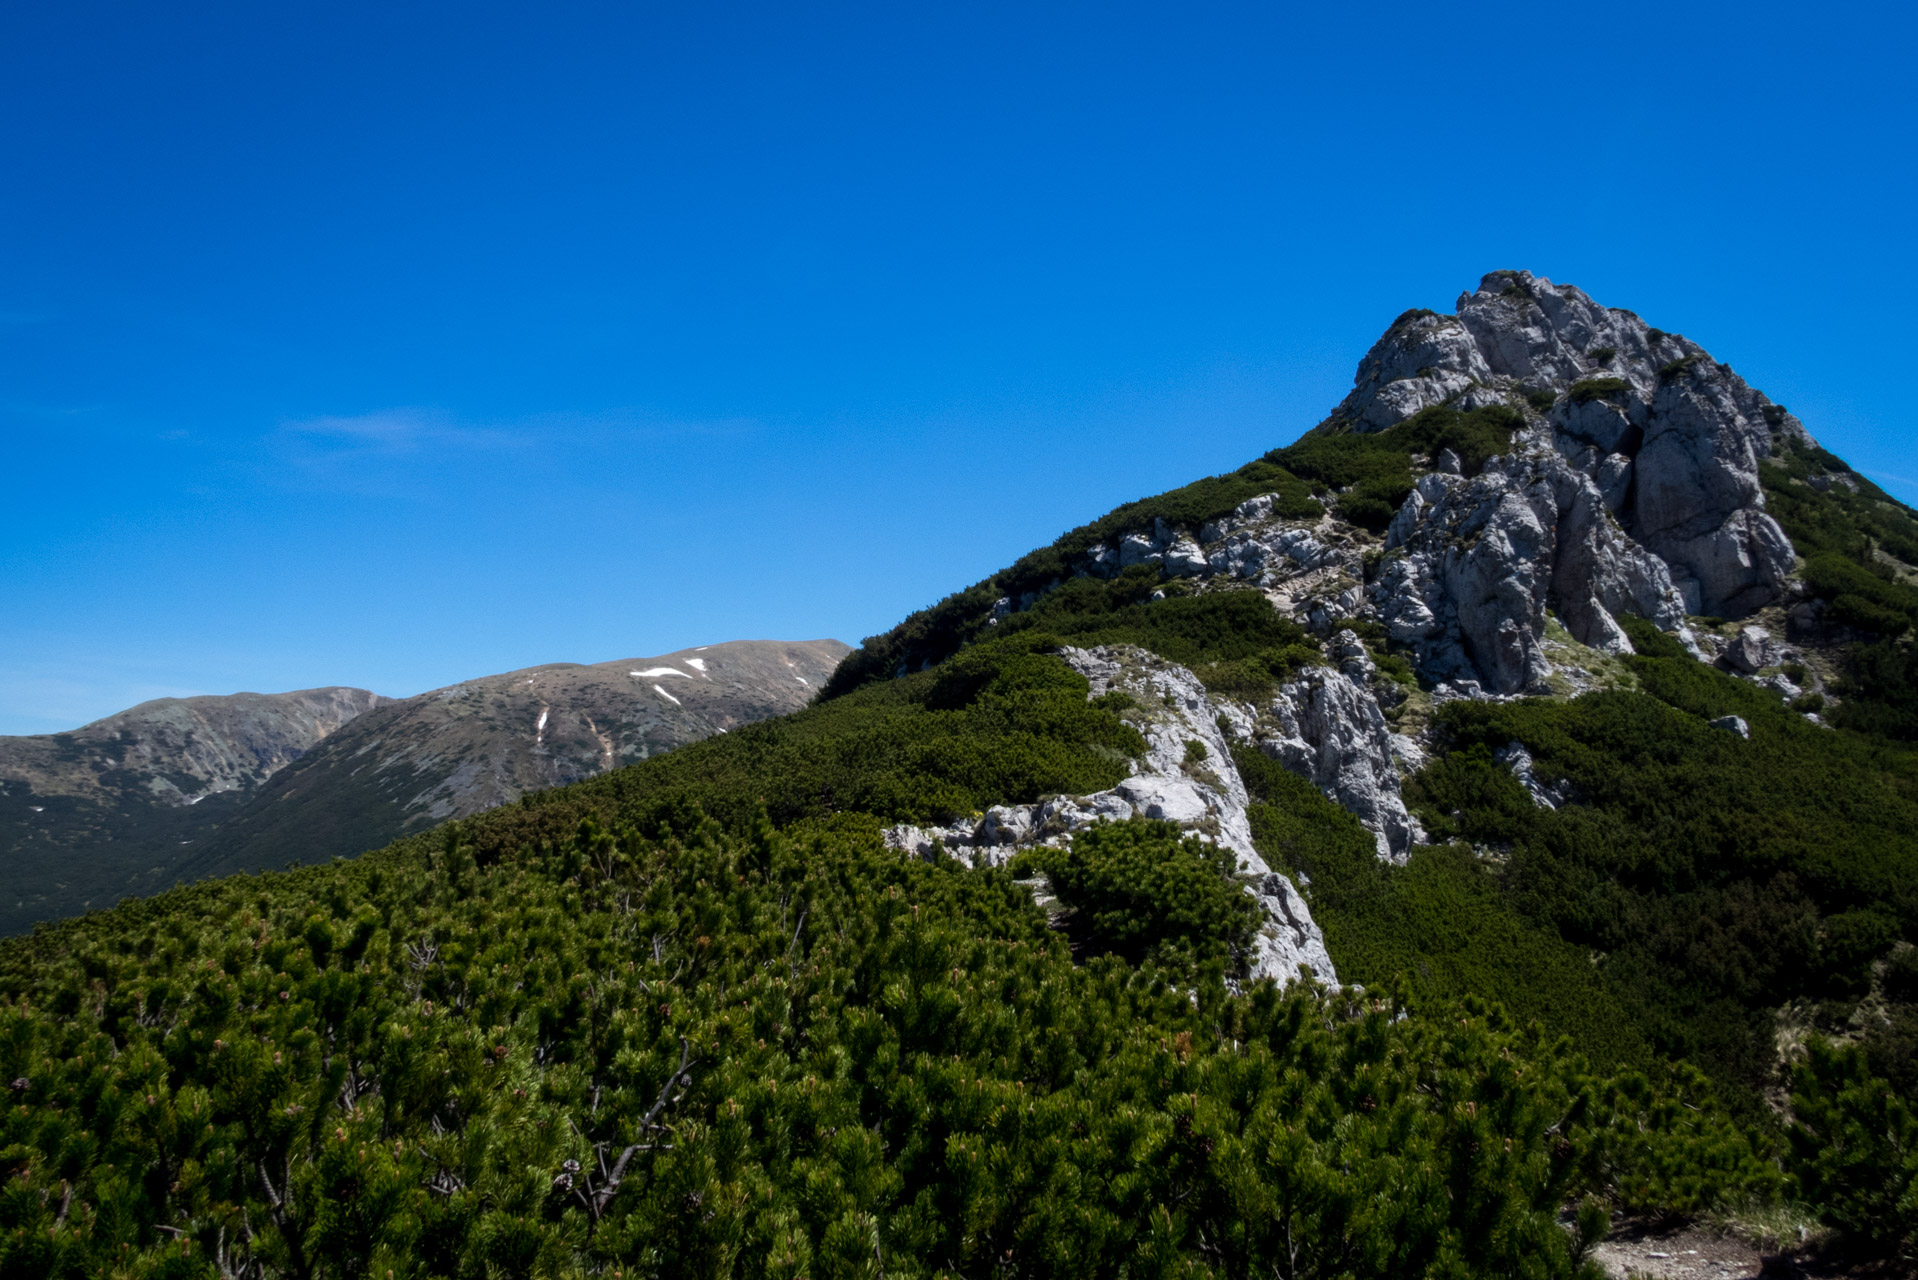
x=1670 y=438
x=1751 y=651
x=1733 y=724
x=1329 y=729
x=1172 y=710
x=1698 y=502
x=1479 y=561
x=1423 y=360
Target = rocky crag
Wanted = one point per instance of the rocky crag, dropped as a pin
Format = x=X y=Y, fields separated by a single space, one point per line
x=1187 y=776
x=1631 y=487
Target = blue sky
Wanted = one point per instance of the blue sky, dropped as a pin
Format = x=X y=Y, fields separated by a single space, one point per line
x=389 y=345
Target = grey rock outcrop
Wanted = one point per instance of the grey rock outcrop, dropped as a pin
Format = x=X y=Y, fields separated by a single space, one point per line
x=1171 y=710
x=1630 y=489
x=1479 y=561
x=1515 y=757
x=1733 y=724
x=1424 y=359
x=1751 y=651
x=1670 y=438
x=1327 y=728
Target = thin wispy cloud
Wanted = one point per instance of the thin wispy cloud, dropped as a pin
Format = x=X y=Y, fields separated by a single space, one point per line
x=1886 y=475
x=384 y=452
x=394 y=433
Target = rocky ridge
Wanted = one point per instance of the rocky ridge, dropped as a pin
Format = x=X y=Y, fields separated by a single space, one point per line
x=1187 y=777
x=1631 y=488
x=181 y=751
x=106 y=809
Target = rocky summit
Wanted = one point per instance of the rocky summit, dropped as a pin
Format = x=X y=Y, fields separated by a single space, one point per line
x=1643 y=424
x=1626 y=484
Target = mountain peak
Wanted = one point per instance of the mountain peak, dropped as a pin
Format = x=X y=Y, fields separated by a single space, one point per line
x=1671 y=437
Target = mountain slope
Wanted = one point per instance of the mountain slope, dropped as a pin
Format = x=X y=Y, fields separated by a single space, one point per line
x=455 y=751
x=962 y=969
x=103 y=811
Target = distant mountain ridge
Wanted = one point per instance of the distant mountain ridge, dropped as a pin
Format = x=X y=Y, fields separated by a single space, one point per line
x=455 y=751
x=181 y=788
x=103 y=810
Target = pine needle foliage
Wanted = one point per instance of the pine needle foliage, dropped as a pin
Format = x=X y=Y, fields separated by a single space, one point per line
x=1715 y=877
x=759 y=1055
x=1148 y=892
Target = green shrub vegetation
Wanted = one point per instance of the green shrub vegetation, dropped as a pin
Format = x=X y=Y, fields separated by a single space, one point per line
x=1440 y=924
x=1856 y=1145
x=1589 y=389
x=1005 y=722
x=1372 y=472
x=766 y=1055
x=1844 y=533
x=1145 y=891
x=1714 y=878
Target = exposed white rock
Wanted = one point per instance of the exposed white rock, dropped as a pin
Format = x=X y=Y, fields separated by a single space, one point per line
x=1674 y=449
x=1352 y=656
x=1635 y=493
x=1697 y=498
x=1172 y=710
x=1483 y=559
x=1781 y=684
x=1326 y=727
x=1519 y=760
x=1423 y=360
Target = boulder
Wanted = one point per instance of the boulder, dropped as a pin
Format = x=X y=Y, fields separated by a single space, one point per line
x=1751 y=651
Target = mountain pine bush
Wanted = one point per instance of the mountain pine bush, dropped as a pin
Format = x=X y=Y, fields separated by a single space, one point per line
x=768 y=1055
